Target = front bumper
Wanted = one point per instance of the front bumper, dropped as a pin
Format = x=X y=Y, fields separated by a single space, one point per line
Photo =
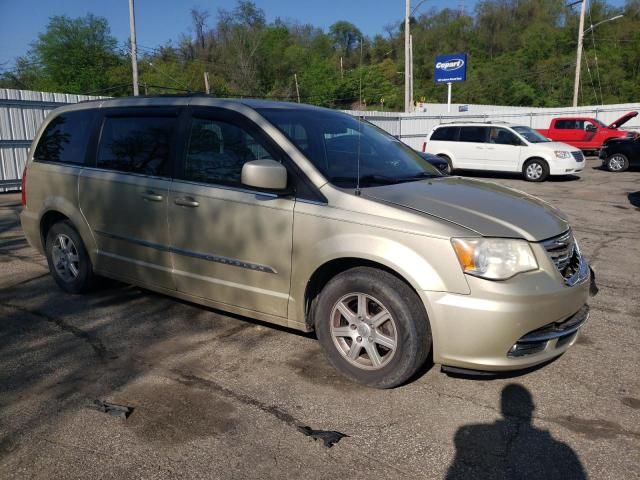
x=566 y=166
x=499 y=326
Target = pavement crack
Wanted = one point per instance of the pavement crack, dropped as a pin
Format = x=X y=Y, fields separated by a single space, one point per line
x=195 y=381
x=28 y=280
x=606 y=242
x=95 y=343
x=205 y=384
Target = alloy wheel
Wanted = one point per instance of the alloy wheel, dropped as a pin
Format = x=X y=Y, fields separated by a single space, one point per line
x=363 y=331
x=616 y=163
x=66 y=259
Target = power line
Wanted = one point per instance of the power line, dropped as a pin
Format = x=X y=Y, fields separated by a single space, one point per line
x=595 y=54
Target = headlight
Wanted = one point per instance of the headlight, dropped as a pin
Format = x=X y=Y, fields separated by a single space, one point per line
x=562 y=154
x=494 y=258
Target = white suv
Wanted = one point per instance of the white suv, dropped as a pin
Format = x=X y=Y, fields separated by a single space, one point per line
x=503 y=147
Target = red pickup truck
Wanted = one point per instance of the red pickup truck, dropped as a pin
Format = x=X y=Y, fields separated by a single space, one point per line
x=587 y=133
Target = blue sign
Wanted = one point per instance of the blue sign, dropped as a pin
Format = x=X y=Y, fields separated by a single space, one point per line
x=451 y=68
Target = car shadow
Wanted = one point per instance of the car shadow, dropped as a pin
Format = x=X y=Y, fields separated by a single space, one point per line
x=512 y=176
x=512 y=447
x=634 y=199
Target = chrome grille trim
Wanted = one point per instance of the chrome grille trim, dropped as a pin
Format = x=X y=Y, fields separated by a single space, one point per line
x=565 y=254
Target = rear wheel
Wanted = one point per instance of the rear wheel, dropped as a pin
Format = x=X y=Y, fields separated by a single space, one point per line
x=68 y=260
x=617 y=162
x=535 y=170
x=449 y=166
x=372 y=327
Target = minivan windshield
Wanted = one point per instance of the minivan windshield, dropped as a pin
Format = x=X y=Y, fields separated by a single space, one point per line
x=530 y=134
x=344 y=148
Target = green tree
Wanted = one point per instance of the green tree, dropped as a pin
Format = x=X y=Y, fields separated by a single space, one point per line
x=72 y=55
x=346 y=36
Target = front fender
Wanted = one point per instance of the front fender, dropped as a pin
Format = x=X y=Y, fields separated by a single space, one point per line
x=426 y=263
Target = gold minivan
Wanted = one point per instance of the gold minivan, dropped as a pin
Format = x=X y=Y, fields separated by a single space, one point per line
x=307 y=218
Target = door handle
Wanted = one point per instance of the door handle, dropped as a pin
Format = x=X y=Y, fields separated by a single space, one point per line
x=186 y=202
x=152 y=197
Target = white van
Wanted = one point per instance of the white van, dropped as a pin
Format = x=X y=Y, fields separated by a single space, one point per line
x=503 y=147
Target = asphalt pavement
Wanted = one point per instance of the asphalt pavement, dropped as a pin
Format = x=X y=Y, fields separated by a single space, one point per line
x=220 y=396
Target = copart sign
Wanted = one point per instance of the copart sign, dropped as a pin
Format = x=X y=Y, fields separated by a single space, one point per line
x=451 y=68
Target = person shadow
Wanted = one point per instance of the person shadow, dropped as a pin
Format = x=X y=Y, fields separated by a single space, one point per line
x=512 y=448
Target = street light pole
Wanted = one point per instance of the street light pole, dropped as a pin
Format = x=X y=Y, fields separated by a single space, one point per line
x=576 y=82
x=407 y=58
x=134 y=49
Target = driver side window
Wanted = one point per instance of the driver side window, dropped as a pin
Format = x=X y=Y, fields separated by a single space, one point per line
x=502 y=136
x=218 y=150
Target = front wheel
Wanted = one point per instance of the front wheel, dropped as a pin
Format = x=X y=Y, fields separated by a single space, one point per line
x=617 y=163
x=373 y=327
x=535 y=170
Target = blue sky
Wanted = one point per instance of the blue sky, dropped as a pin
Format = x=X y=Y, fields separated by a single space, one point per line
x=159 y=21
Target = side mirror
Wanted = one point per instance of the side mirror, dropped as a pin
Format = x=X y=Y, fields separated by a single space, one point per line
x=591 y=128
x=266 y=174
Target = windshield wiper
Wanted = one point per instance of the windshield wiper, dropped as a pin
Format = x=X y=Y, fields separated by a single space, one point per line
x=368 y=179
x=419 y=176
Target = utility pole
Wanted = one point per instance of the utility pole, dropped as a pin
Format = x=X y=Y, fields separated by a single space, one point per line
x=411 y=72
x=407 y=60
x=134 y=49
x=341 y=68
x=206 y=82
x=295 y=76
x=576 y=83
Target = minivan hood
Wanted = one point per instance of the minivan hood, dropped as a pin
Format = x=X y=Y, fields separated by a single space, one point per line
x=486 y=208
x=557 y=146
x=622 y=120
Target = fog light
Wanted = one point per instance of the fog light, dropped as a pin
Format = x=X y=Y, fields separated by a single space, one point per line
x=528 y=348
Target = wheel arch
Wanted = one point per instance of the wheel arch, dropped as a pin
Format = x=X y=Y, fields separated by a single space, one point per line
x=47 y=221
x=330 y=269
x=535 y=156
x=60 y=210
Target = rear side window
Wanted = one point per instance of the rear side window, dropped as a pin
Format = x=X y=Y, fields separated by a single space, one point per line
x=445 y=134
x=64 y=140
x=473 y=134
x=569 y=124
x=136 y=144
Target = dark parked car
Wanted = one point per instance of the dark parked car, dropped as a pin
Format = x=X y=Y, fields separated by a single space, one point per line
x=441 y=164
x=621 y=153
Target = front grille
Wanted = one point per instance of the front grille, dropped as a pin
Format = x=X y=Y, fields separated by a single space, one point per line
x=564 y=253
x=578 y=156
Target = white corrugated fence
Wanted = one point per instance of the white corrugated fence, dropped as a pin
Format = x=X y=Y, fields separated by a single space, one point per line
x=22 y=112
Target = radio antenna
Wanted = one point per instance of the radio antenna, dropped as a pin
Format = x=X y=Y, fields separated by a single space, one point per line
x=359 y=127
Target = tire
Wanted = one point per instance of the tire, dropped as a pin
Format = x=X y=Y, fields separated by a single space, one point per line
x=388 y=353
x=535 y=170
x=617 y=162
x=448 y=160
x=68 y=260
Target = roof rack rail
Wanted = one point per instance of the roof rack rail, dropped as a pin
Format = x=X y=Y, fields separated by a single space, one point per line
x=497 y=122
